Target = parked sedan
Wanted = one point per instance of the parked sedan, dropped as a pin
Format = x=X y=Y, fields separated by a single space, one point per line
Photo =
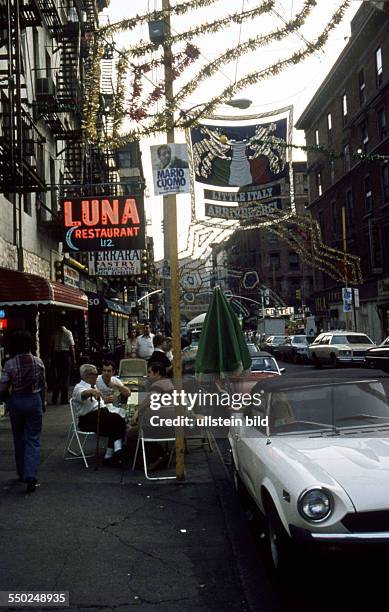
x=294 y=348
x=339 y=347
x=378 y=357
x=272 y=343
x=253 y=348
x=313 y=456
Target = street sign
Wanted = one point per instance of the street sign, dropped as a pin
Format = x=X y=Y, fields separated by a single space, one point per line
x=356 y=298
x=347 y=294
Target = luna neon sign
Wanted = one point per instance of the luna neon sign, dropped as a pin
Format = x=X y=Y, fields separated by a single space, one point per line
x=101 y=223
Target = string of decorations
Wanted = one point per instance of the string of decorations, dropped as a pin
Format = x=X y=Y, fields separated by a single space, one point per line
x=138 y=110
x=159 y=122
x=119 y=108
x=303 y=235
x=330 y=153
x=178 y=9
x=206 y=28
x=91 y=103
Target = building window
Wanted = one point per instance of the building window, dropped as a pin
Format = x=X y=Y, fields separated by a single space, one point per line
x=375 y=244
x=346 y=157
x=318 y=183
x=368 y=194
x=274 y=259
x=334 y=216
x=364 y=137
x=382 y=125
x=385 y=183
x=305 y=183
x=53 y=190
x=329 y=127
x=378 y=66
x=294 y=262
x=350 y=207
x=27 y=207
x=362 y=87
x=332 y=171
x=317 y=142
x=344 y=108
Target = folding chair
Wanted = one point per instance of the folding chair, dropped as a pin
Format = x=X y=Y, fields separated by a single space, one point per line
x=75 y=433
x=142 y=439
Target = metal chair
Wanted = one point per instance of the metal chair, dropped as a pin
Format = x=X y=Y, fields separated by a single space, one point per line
x=75 y=433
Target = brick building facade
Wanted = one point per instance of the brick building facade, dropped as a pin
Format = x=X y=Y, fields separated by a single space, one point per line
x=349 y=116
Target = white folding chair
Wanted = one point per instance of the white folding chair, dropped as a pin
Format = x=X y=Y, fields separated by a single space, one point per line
x=80 y=438
x=142 y=439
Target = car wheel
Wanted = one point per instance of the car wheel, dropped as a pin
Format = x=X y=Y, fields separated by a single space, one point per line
x=278 y=541
x=316 y=361
x=334 y=361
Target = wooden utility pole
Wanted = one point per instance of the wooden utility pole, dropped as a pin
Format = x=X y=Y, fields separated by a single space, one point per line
x=171 y=251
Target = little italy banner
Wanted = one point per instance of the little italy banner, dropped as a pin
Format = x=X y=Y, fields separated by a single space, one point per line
x=170 y=169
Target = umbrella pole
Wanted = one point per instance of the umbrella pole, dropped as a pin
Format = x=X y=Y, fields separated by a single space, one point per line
x=97 y=436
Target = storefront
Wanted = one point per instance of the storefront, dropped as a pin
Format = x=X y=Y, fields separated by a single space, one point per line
x=28 y=301
x=108 y=321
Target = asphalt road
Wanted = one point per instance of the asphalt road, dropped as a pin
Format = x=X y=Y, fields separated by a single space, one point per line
x=336 y=580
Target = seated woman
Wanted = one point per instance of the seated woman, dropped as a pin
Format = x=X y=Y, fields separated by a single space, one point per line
x=86 y=401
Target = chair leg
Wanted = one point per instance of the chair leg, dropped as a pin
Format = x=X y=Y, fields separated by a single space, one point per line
x=81 y=446
x=136 y=453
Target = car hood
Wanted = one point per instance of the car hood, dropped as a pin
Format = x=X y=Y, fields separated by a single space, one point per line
x=359 y=465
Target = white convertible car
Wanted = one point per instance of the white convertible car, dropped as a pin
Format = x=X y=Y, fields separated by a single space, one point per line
x=316 y=462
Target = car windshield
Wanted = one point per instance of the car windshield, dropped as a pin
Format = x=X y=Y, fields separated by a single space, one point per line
x=300 y=340
x=359 y=408
x=278 y=339
x=263 y=364
x=351 y=339
x=252 y=349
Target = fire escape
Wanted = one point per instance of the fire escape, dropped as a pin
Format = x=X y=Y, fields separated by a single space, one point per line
x=21 y=143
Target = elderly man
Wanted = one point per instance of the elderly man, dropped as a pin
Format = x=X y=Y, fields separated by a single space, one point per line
x=86 y=399
x=144 y=343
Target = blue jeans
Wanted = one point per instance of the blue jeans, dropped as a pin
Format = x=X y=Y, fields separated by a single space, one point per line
x=25 y=412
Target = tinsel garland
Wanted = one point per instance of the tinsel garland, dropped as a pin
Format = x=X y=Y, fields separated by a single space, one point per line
x=330 y=153
x=288 y=226
x=119 y=110
x=178 y=9
x=91 y=102
x=207 y=28
x=179 y=62
x=159 y=123
x=273 y=69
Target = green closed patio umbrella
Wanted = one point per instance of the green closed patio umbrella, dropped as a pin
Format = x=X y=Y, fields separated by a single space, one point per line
x=222 y=348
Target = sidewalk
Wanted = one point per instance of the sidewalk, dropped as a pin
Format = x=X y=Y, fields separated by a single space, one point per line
x=113 y=539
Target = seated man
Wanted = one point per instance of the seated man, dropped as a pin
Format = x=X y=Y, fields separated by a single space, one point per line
x=156 y=374
x=111 y=388
x=86 y=401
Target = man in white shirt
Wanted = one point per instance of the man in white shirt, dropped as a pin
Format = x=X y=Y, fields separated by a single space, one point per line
x=86 y=401
x=63 y=355
x=144 y=343
x=111 y=387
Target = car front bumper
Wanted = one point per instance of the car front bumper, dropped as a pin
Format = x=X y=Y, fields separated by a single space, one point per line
x=304 y=535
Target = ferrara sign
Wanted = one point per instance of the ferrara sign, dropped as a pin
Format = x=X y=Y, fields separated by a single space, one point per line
x=101 y=223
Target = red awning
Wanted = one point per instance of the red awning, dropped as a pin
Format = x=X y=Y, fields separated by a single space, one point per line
x=18 y=288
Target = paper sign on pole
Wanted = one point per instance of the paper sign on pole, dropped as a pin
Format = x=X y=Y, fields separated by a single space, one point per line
x=356 y=298
x=170 y=168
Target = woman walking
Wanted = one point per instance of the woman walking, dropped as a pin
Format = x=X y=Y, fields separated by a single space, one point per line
x=24 y=384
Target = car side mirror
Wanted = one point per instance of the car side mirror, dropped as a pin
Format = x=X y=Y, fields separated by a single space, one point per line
x=282 y=370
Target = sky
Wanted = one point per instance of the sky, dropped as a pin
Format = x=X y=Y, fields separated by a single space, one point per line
x=295 y=86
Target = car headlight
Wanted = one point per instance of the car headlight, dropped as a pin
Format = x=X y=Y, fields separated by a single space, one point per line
x=344 y=352
x=315 y=504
